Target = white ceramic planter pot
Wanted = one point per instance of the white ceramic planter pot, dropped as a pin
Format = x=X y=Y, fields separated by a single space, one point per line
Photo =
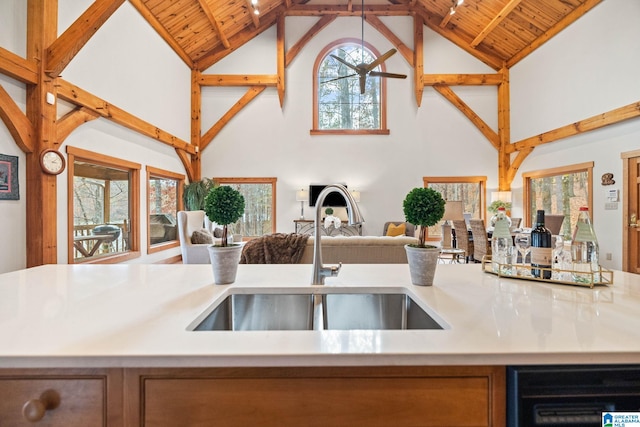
x=224 y=261
x=422 y=264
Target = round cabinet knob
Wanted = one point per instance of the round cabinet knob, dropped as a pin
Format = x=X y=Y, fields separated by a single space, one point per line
x=35 y=409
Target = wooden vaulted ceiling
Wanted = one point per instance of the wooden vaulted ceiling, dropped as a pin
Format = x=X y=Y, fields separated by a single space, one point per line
x=498 y=32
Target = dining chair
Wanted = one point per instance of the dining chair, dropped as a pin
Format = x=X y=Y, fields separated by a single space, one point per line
x=554 y=223
x=481 y=246
x=462 y=238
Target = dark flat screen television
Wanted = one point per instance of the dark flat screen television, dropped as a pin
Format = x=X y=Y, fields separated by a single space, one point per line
x=333 y=199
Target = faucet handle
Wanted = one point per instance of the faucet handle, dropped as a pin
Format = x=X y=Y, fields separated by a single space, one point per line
x=335 y=269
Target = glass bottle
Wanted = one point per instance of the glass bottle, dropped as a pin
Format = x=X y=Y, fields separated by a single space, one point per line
x=562 y=263
x=541 y=254
x=585 y=250
x=501 y=243
x=502 y=213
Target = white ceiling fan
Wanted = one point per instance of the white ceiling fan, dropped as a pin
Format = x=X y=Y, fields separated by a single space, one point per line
x=362 y=70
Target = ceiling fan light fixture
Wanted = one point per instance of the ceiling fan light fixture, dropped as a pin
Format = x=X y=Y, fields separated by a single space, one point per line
x=254 y=2
x=460 y=2
x=256 y=11
x=452 y=10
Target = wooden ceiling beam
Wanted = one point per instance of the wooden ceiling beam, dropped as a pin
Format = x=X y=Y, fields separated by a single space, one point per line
x=238 y=39
x=432 y=22
x=418 y=58
x=280 y=59
x=16 y=122
x=463 y=79
x=506 y=10
x=504 y=131
x=188 y=163
x=193 y=164
x=226 y=118
x=17 y=67
x=80 y=97
x=214 y=21
x=72 y=120
x=340 y=10
x=237 y=80
x=404 y=50
x=617 y=115
x=69 y=43
x=254 y=17
x=445 y=20
x=482 y=126
x=162 y=31
x=306 y=38
x=551 y=32
x=41 y=189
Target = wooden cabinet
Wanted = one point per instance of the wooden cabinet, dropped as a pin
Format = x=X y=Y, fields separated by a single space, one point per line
x=65 y=398
x=310 y=396
x=371 y=396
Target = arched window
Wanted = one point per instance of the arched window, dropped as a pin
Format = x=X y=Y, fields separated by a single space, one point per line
x=338 y=105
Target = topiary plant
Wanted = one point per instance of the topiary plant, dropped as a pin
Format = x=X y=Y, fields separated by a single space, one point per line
x=423 y=207
x=224 y=205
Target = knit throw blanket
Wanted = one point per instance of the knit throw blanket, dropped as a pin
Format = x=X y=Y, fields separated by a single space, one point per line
x=277 y=248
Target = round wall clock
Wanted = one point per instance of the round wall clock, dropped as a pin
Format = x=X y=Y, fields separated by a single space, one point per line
x=52 y=161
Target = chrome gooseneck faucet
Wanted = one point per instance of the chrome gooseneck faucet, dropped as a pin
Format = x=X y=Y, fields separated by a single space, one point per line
x=355 y=217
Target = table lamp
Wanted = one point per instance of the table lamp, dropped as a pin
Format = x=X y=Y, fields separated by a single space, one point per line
x=302 y=196
x=452 y=210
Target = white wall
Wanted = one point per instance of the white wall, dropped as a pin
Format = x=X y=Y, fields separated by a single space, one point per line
x=572 y=77
x=13 y=248
x=586 y=70
x=146 y=79
x=265 y=140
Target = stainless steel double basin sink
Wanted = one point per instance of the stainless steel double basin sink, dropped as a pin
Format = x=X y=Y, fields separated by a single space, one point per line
x=346 y=309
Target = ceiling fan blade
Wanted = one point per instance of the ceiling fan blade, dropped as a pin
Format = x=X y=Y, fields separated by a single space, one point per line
x=363 y=83
x=339 y=78
x=380 y=60
x=353 y=67
x=383 y=74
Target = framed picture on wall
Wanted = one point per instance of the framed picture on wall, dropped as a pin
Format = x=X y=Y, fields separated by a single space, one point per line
x=9 y=178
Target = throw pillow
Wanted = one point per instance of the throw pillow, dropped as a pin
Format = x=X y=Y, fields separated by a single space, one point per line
x=396 y=230
x=201 y=236
x=217 y=232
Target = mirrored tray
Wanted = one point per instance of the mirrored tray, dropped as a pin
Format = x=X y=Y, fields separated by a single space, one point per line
x=564 y=277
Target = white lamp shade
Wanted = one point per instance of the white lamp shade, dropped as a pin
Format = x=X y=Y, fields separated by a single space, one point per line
x=503 y=196
x=453 y=210
x=302 y=196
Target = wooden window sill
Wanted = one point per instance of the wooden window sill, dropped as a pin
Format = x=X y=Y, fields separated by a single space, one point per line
x=349 y=132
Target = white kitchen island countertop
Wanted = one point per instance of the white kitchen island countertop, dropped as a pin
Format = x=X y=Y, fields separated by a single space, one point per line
x=135 y=315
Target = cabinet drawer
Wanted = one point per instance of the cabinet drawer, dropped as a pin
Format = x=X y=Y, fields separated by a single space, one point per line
x=52 y=401
x=323 y=397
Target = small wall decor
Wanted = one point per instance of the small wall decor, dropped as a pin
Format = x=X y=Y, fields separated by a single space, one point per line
x=9 y=178
x=607 y=179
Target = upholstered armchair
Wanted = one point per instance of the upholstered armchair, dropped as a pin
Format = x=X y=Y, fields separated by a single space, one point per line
x=188 y=223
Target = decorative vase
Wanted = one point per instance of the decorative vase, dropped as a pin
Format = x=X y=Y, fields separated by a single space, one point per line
x=422 y=264
x=224 y=261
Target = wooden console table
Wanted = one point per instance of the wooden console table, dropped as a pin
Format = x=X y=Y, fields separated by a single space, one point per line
x=305 y=226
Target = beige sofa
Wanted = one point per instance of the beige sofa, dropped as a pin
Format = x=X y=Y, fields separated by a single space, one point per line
x=360 y=250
